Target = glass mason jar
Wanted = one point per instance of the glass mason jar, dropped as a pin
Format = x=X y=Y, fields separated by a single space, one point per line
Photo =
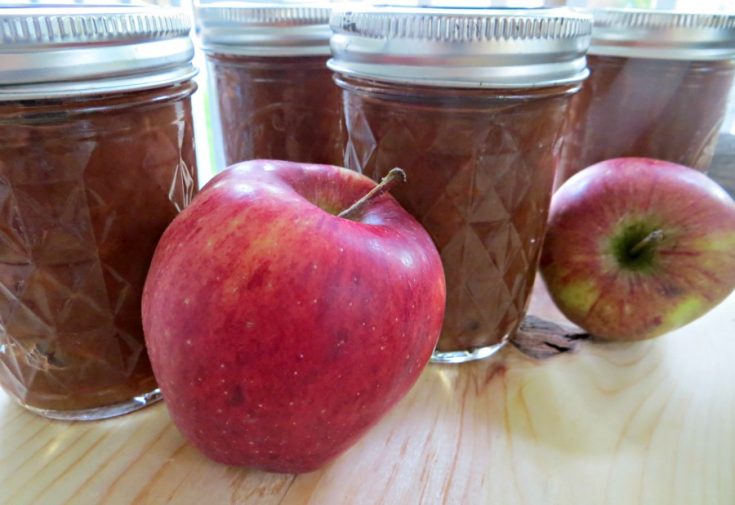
x=658 y=88
x=471 y=104
x=95 y=160
x=274 y=95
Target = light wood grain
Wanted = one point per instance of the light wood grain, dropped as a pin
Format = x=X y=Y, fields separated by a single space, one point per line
x=648 y=423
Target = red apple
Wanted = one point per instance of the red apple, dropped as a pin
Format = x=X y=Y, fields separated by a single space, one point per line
x=638 y=247
x=280 y=332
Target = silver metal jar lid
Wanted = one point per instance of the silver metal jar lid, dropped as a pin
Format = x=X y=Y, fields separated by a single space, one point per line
x=264 y=29
x=461 y=47
x=663 y=34
x=52 y=51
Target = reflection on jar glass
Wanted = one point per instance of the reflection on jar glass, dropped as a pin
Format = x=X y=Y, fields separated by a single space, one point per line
x=89 y=182
x=659 y=86
x=274 y=96
x=480 y=160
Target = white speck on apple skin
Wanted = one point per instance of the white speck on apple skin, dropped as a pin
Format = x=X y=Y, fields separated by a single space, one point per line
x=188 y=341
x=316 y=300
x=295 y=372
x=382 y=348
x=187 y=301
x=301 y=356
x=221 y=365
x=219 y=411
x=290 y=404
x=341 y=249
x=249 y=325
x=407 y=260
x=260 y=405
x=314 y=266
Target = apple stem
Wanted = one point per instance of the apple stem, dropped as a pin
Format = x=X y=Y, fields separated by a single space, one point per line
x=654 y=237
x=385 y=185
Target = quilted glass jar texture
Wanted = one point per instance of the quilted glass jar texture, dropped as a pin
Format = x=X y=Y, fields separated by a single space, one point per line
x=87 y=186
x=471 y=103
x=480 y=167
x=96 y=158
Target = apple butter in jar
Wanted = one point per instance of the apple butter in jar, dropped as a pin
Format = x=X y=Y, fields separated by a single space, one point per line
x=96 y=158
x=658 y=88
x=471 y=104
x=274 y=96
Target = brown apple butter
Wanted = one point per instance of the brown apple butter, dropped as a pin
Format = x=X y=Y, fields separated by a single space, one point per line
x=665 y=109
x=475 y=117
x=88 y=186
x=96 y=158
x=480 y=167
x=283 y=108
x=659 y=86
x=274 y=97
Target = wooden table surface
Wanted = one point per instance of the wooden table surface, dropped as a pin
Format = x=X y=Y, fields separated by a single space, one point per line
x=647 y=423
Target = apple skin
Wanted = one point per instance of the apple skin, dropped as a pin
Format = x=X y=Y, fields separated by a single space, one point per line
x=601 y=211
x=279 y=332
